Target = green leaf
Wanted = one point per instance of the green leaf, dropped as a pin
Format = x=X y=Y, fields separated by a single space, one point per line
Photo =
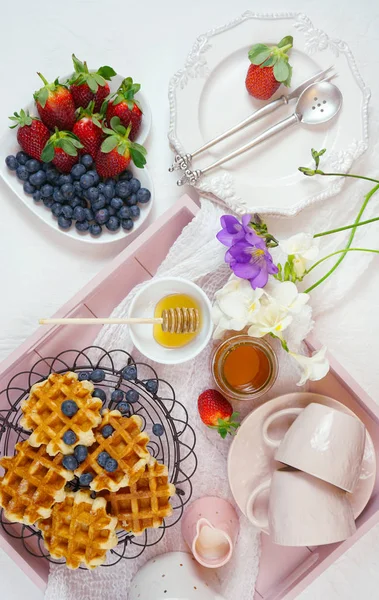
x=261 y=57
x=140 y=148
x=115 y=122
x=281 y=70
x=138 y=157
x=92 y=84
x=257 y=49
x=109 y=144
x=99 y=79
x=108 y=131
x=96 y=122
x=316 y=155
x=107 y=72
x=270 y=61
x=48 y=152
x=287 y=82
x=68 y=147
x=76 y=143
x=78 y=65
x=42 y=96
x=288 y=39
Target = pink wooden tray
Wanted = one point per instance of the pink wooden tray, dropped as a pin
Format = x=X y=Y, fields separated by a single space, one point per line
x=284 y=572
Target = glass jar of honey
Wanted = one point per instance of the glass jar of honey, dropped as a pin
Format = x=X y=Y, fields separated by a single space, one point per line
x=244 y=368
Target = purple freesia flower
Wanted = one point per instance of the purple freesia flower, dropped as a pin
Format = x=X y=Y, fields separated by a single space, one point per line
x=232 y=230
x=252 y=262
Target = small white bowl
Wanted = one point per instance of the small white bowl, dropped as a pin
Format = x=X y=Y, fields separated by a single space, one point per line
x=143 y=305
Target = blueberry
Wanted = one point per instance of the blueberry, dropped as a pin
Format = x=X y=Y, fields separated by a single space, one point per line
x=47 y=190
x=83 y=203
x=22 y=173
x=67 y=191
x=123 y=189
x=67 y=211
x=82 y=225
x=69 y=408
x=64 y=223
x=11 y=162
x=77 y=171
x=85 y=479
x=83 y=375
x=132 y=200
x=29 y=188
x=86 y=181
x=98 y=393
x=70 y=463
x=152 y=386
x=57 y=196
x=92 y=194
x=134 y=185
x=80 y=453
x=56 y=209
x=135 y=212
x=52 y=176
x=48 y=202
x=32 y=165
x=97 y=375
x=123 y=407
x=113 y=224
x=116 y=203
x=102 y=216
x=132 y=396
x=112 y=211
x=127 y=224
x=129 y=372
x=102 y=458
x=69 y=437
x=109 y=191
x=117 y=396
x=75 y=201
x=143 y=196
x=95 y=229
x=22 y=158
x=124 y=213
x=94 y=175
x=37 y=196
x=109 y=181
x=99 y=203
x=107 y=431
x=77 y=188
x=126 y=175
x=87 y=160
x=62 y=179
x=79 y=213
x=101 y=187
x=158 y=429
x=111 y=465
x=88 y=214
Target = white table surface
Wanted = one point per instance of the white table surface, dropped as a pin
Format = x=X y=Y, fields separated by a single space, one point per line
x=149 y=40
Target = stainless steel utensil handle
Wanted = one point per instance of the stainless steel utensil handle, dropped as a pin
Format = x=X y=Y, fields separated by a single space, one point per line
x=258 y=114
x=257 y=140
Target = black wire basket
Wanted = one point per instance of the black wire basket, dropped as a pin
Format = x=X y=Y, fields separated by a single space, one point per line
x=174 y=446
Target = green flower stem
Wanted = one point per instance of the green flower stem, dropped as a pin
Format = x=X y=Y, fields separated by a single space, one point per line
x=318 y=172
x=350 y=240
x=317 y=235
x=285 y=48
x=340 y=252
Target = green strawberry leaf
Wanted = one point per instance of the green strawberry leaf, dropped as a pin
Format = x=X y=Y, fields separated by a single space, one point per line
x=140 y=148
x=42 y=96
x=109 y=144
x=270 y=61
x=78 y=65
x=287 y=82
x=96 y=122
x=137 y=157
x=288 y=39
x=281 y=70
x=122 y=148
x=92 y=84
x=107 y=72
x=107 y=130
x=261 y=57
x=48 y=152
x=99 y=79
x=67 y=146
x=76 y=143
x=257 y=49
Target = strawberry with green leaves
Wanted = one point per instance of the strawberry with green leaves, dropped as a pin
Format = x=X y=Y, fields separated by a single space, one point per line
x=32 y=134
x=88 y=129
x=55 y=105
x=117 y=150
x=217 y=413
x=269 y=68
x=90 y=86
x=124 y=106
x=62 y=150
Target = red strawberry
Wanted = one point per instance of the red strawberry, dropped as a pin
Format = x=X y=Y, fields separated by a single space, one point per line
x=88 y=86
x=269 y=68
x=217 y=413
x=32 y=134
x=125 y=107
x=117 y=151
x=88 y=130
x=62 y=150
x=55 y=105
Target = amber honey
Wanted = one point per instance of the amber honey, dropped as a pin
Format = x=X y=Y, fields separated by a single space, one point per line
x=244 y=367
x=174 y=340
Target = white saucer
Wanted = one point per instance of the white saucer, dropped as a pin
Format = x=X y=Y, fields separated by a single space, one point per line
x=251 y=461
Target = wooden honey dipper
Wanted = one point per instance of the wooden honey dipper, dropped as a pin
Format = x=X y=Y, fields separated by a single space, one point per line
x=173 y=320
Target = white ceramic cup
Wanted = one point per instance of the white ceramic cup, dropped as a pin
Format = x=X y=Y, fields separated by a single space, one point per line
x=303 y=510
x=323 y=442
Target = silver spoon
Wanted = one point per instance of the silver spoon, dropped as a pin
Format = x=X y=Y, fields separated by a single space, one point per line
x=317 y=104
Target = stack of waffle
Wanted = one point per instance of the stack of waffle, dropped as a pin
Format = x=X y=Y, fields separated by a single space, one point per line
x=132 y=493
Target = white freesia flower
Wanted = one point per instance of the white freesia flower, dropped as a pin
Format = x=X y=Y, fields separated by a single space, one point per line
x=303 y=247
x=235 y=306
x=271 y=318
x=314 y=367
x=286 y=295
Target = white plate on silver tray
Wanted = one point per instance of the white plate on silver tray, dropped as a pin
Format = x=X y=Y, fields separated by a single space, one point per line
x=208 y=96
x=9 y=145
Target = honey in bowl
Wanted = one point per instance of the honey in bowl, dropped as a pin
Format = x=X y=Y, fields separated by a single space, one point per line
x=174 y=340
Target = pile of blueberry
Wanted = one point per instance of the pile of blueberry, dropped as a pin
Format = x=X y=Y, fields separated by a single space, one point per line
x=81 y=197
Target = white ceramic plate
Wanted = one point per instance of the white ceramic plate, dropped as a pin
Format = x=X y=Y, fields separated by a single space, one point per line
x=208 y=96
x=9 y=145
x=251 y=461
